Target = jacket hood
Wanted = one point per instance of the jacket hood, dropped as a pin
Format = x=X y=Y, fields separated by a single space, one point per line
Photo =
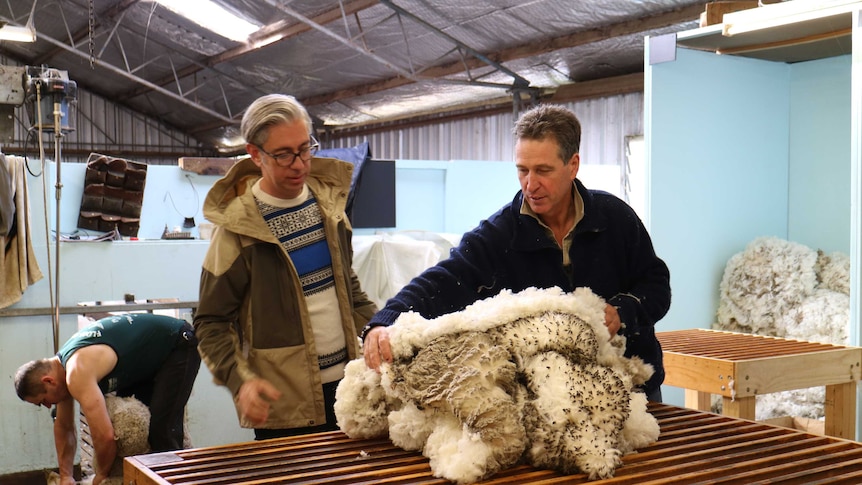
x=229 y=202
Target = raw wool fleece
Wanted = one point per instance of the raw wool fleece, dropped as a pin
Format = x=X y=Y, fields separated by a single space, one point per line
x=131 y=420
x=784 y=289
x=762 y=283
x=533 y=376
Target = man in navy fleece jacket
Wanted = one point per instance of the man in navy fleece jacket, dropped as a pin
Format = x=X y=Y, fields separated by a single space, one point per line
x=555 y=232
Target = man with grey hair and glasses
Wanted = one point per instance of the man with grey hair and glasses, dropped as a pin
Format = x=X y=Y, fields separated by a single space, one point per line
x=280 y=306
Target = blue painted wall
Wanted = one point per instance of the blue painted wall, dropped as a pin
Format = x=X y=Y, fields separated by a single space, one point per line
x=819 y=158
x=455 y=196
x=740 y=148
x=717 y=146
x=451 y=197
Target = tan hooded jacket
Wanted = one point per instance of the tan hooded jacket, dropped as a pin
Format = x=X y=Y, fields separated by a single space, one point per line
x=252 y=319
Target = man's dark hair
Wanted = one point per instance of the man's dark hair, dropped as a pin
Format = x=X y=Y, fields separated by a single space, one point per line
x=28 y=378
x=551 y=121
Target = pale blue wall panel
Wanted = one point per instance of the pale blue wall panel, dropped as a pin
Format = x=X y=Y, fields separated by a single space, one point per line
x=420 y=193
x=717 y=147
x=103 y=271
x=475 y=190
x=819 y=197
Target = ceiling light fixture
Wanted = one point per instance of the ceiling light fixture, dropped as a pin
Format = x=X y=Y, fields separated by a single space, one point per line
x=17 y=33
x=213 y=17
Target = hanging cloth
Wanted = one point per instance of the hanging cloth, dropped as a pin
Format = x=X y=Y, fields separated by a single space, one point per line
x=7 y=199
x=18 y=266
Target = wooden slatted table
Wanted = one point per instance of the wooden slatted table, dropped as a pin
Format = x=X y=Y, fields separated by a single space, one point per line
x=694 y=447
x=739 y=366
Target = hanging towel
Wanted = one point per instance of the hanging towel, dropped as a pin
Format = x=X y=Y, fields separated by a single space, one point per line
x=7 y=199
x=18 y=266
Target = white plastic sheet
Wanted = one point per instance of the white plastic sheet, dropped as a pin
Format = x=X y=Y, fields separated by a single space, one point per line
x=386 y=262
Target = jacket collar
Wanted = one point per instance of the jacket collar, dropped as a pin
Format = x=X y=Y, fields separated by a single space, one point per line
x=230 y=203
x=528 y=226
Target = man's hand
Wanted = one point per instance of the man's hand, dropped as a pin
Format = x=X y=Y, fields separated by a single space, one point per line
x=612 y=320
x=376 y=348
x=254 y=399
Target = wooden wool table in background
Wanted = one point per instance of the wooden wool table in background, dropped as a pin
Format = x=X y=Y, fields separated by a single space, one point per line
x=739 y=366
x=694 y=447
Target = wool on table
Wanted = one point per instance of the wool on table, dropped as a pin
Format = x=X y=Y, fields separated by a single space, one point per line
x=532 y=375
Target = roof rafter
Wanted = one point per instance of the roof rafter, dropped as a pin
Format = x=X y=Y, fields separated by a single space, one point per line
x=280 y=30
x=81 y=34
x=518 y=52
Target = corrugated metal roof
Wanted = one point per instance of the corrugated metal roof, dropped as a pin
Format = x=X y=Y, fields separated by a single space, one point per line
x=352 y=62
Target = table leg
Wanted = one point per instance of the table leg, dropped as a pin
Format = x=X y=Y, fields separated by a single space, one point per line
x=740 y=407
x=694 y=399
x=840 y=410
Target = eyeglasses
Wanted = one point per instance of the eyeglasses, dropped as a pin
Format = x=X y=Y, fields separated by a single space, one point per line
x=286 y=158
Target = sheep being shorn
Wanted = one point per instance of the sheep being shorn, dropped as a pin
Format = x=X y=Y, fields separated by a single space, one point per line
x=131 y=420
x=532 y=376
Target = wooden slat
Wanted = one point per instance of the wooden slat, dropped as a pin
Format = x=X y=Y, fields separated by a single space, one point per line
x=694 y=447
x=700 y=373
x=735 y=346
x=788 y=372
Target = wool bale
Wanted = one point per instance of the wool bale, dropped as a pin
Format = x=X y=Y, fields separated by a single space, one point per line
x=763 y=282
x=833 y=272
x=783 y=289
x=823 y=316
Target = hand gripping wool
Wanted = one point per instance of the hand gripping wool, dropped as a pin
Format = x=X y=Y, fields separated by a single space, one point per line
x=131 y=420
x=530 y=376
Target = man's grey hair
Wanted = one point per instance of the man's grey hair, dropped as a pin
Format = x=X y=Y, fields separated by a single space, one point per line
x=551 y=121
x=269 y=110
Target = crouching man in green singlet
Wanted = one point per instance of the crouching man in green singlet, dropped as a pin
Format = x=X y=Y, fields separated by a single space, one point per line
x=151 y=357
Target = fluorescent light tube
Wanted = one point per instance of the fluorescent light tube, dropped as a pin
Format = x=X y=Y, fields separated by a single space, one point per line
x=213 y=17
x=17 y=33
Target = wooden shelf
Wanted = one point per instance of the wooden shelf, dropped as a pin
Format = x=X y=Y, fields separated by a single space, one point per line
x=789 y=34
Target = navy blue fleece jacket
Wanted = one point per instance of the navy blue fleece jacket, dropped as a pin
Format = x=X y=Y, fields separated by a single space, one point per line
x=611 y=254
